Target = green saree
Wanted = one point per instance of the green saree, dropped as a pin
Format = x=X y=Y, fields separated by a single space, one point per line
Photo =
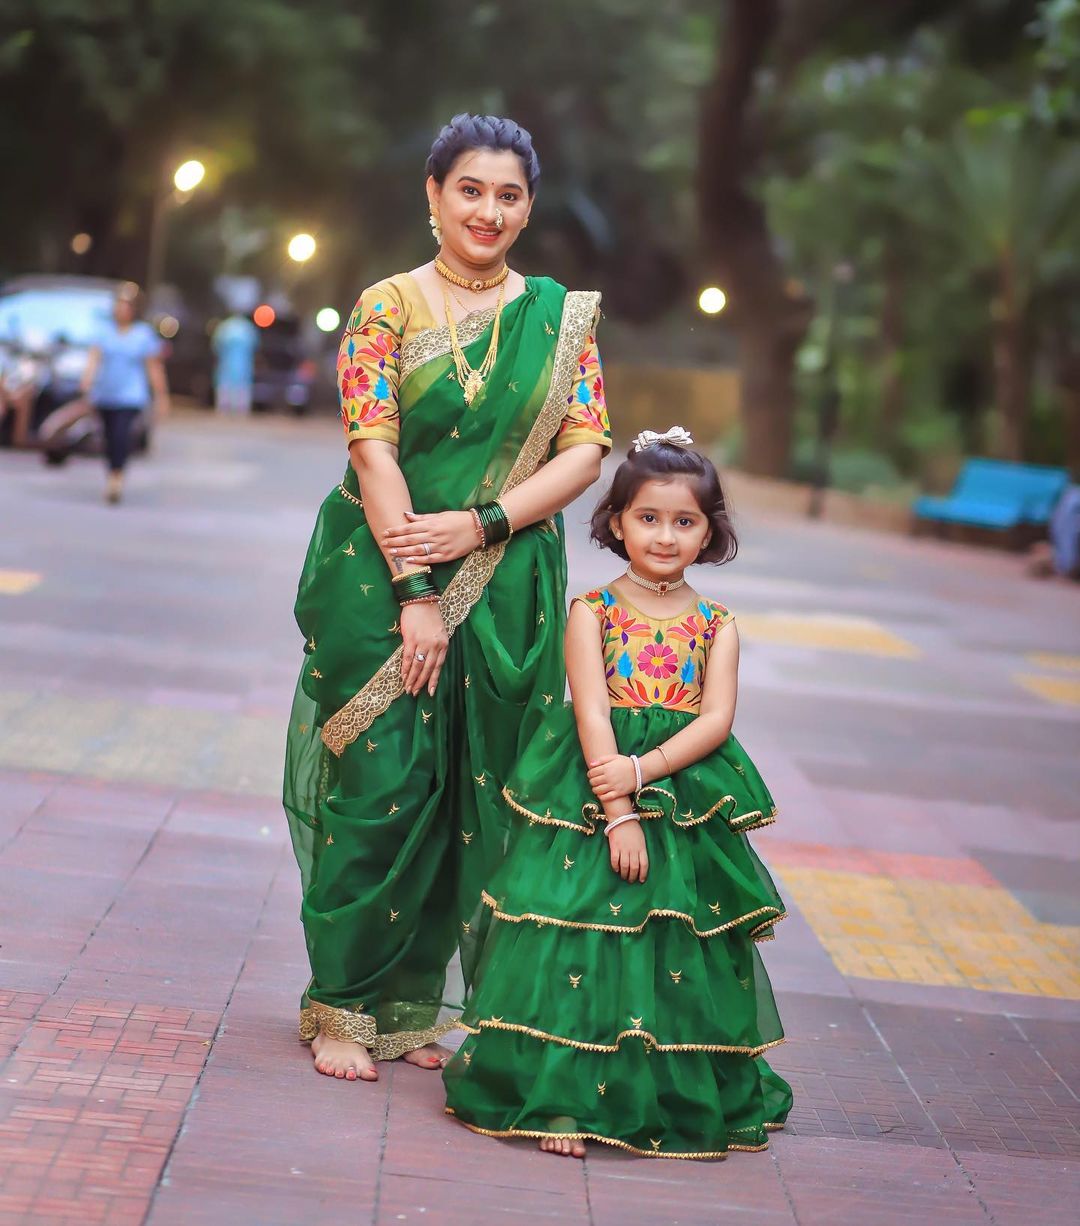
x=393 y=801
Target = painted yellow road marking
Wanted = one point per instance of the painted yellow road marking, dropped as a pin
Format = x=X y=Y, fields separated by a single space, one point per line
x=18 y=582
x=827 y=632
x=1064 y=690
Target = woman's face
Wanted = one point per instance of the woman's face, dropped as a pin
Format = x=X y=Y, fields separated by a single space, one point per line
x=123 y=311
x=478 y=184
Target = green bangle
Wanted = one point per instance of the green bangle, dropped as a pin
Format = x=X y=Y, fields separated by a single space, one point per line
x=494 y=523
x=413 y=587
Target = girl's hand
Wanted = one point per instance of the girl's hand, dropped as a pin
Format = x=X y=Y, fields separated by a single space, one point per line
x=450 y=535
x=628 y=855
x=612 y=776
x=423 y=633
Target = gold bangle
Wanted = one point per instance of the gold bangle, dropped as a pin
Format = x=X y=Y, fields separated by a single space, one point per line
x=660 y=751
x=509 y=522
x=407 y=574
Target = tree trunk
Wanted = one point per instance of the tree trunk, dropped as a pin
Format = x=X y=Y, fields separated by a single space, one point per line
x=892 y=340
x=1011 y=366
x=769 y=323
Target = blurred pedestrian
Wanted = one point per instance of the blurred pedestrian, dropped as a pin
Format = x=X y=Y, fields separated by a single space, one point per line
x=234 y=343
x=20 y=382
x=124 y=376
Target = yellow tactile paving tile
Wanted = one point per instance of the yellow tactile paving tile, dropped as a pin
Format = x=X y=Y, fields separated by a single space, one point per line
x=18 y=582
x=1063 y=690
x=1054 y=661
x=826 y=632
x=935 y=933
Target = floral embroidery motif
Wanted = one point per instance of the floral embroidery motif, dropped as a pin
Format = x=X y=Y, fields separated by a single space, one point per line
x=655 y=664
x=368 y=367
x=586 y=419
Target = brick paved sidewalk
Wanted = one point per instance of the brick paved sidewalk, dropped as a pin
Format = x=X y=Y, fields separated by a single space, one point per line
x=151 y=958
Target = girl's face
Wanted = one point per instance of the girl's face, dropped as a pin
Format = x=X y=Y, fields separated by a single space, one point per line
x=479 y=183
x=664 y=529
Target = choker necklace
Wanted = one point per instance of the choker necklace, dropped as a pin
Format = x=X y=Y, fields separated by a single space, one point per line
x=661 y=589
x=477 y=286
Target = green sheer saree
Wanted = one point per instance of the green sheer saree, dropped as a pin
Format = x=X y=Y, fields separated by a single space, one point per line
x=393 y=802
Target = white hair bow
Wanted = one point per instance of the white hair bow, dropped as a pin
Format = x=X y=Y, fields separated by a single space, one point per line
x=677 y=436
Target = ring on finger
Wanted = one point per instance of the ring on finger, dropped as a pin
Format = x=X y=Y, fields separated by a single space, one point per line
x=421 y=657
x=427 y=549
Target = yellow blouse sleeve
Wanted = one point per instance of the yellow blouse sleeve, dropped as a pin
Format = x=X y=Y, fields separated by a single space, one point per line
x=586 y=418
x=368 y=366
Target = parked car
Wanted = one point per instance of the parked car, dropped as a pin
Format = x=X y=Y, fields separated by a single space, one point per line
x=284 y=373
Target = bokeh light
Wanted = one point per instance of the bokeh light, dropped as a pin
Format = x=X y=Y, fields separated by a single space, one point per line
x=712 y=300
x=327 y=320
x=168 y=326
x=189 y=175
x=301 y=247
x=81 y=243
x=264 y=315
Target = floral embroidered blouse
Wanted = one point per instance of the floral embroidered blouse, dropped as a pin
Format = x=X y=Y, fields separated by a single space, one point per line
x=653 y=662
x=390 y=314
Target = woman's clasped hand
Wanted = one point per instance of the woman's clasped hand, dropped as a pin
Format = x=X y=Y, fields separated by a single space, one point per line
x=442 y=537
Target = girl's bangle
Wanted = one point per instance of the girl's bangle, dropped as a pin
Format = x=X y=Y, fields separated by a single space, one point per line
x=660 y=751
x=635 y=762
x=619 y=821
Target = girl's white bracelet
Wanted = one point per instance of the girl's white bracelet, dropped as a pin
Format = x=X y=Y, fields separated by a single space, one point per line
x=636 y=764
x=618 y=821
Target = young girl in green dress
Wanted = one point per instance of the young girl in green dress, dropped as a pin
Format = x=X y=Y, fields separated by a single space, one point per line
x=620 y=996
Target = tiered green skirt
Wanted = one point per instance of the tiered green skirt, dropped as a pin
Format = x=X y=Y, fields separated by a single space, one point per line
x=634 y=1014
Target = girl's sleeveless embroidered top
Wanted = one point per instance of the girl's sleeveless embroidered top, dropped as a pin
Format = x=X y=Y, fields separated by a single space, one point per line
x=653 y=662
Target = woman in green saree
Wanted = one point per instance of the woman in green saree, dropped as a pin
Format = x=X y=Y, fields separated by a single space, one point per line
x=433 y=614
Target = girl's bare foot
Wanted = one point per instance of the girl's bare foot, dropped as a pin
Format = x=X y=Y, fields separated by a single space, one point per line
x=568 y=1147
x=432 y=1056
x=347 y=1061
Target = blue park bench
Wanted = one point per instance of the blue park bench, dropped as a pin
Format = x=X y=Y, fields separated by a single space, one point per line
x=997 y=494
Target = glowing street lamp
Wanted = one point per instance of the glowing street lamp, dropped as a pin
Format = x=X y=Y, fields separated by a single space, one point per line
x=189 y=175
x=301 y=248
x=327 y=320
x=712 y=300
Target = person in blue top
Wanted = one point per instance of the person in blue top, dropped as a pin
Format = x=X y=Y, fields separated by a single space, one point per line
x=125 y=374
x=234 y=341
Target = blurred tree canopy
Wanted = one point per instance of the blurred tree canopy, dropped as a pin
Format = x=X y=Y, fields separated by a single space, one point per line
x=900 y=178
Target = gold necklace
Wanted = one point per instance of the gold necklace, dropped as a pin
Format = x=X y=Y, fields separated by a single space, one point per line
x=661 y=589
x=478 y=285
x=473 y=380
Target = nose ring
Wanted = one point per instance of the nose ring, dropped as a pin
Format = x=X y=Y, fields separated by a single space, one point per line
x=498 y=219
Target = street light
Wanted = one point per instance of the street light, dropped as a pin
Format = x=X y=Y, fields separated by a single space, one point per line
x=712 y=300
x=327 y=320
x=189 y=175
x=301 y=248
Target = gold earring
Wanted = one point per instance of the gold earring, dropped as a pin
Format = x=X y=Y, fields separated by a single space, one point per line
x=436 y=229
x=525 y=224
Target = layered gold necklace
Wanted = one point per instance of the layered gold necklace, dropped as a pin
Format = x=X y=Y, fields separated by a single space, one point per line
x=470 y=379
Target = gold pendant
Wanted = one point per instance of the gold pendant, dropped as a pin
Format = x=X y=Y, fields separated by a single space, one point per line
x=473 y=384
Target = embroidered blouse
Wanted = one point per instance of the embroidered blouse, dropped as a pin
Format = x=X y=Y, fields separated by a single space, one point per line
x=390 y=314
x=653 y=662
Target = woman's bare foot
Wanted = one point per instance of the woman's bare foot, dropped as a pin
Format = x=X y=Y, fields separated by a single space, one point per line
x=568 y=1147
x=348 y=1061
x=432 y=1056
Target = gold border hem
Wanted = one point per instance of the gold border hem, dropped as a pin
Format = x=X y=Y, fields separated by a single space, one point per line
x=625 y=1145
x=352 y=1026
x=651 y=1041
x=659 y=913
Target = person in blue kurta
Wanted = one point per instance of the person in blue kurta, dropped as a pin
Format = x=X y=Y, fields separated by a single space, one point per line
x=124 y=375
x=234 y=341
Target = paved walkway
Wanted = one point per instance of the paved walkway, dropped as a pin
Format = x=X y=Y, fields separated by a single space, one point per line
x=915 y=708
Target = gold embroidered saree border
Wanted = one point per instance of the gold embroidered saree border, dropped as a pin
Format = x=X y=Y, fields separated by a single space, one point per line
x=432 y=343
x=651 y=1041
x=353 y=1026
x=625 y=1145
x=474 y=573
x=657 y=913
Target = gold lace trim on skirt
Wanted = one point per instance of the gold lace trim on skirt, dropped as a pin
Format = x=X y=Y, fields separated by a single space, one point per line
x=651 y=1041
